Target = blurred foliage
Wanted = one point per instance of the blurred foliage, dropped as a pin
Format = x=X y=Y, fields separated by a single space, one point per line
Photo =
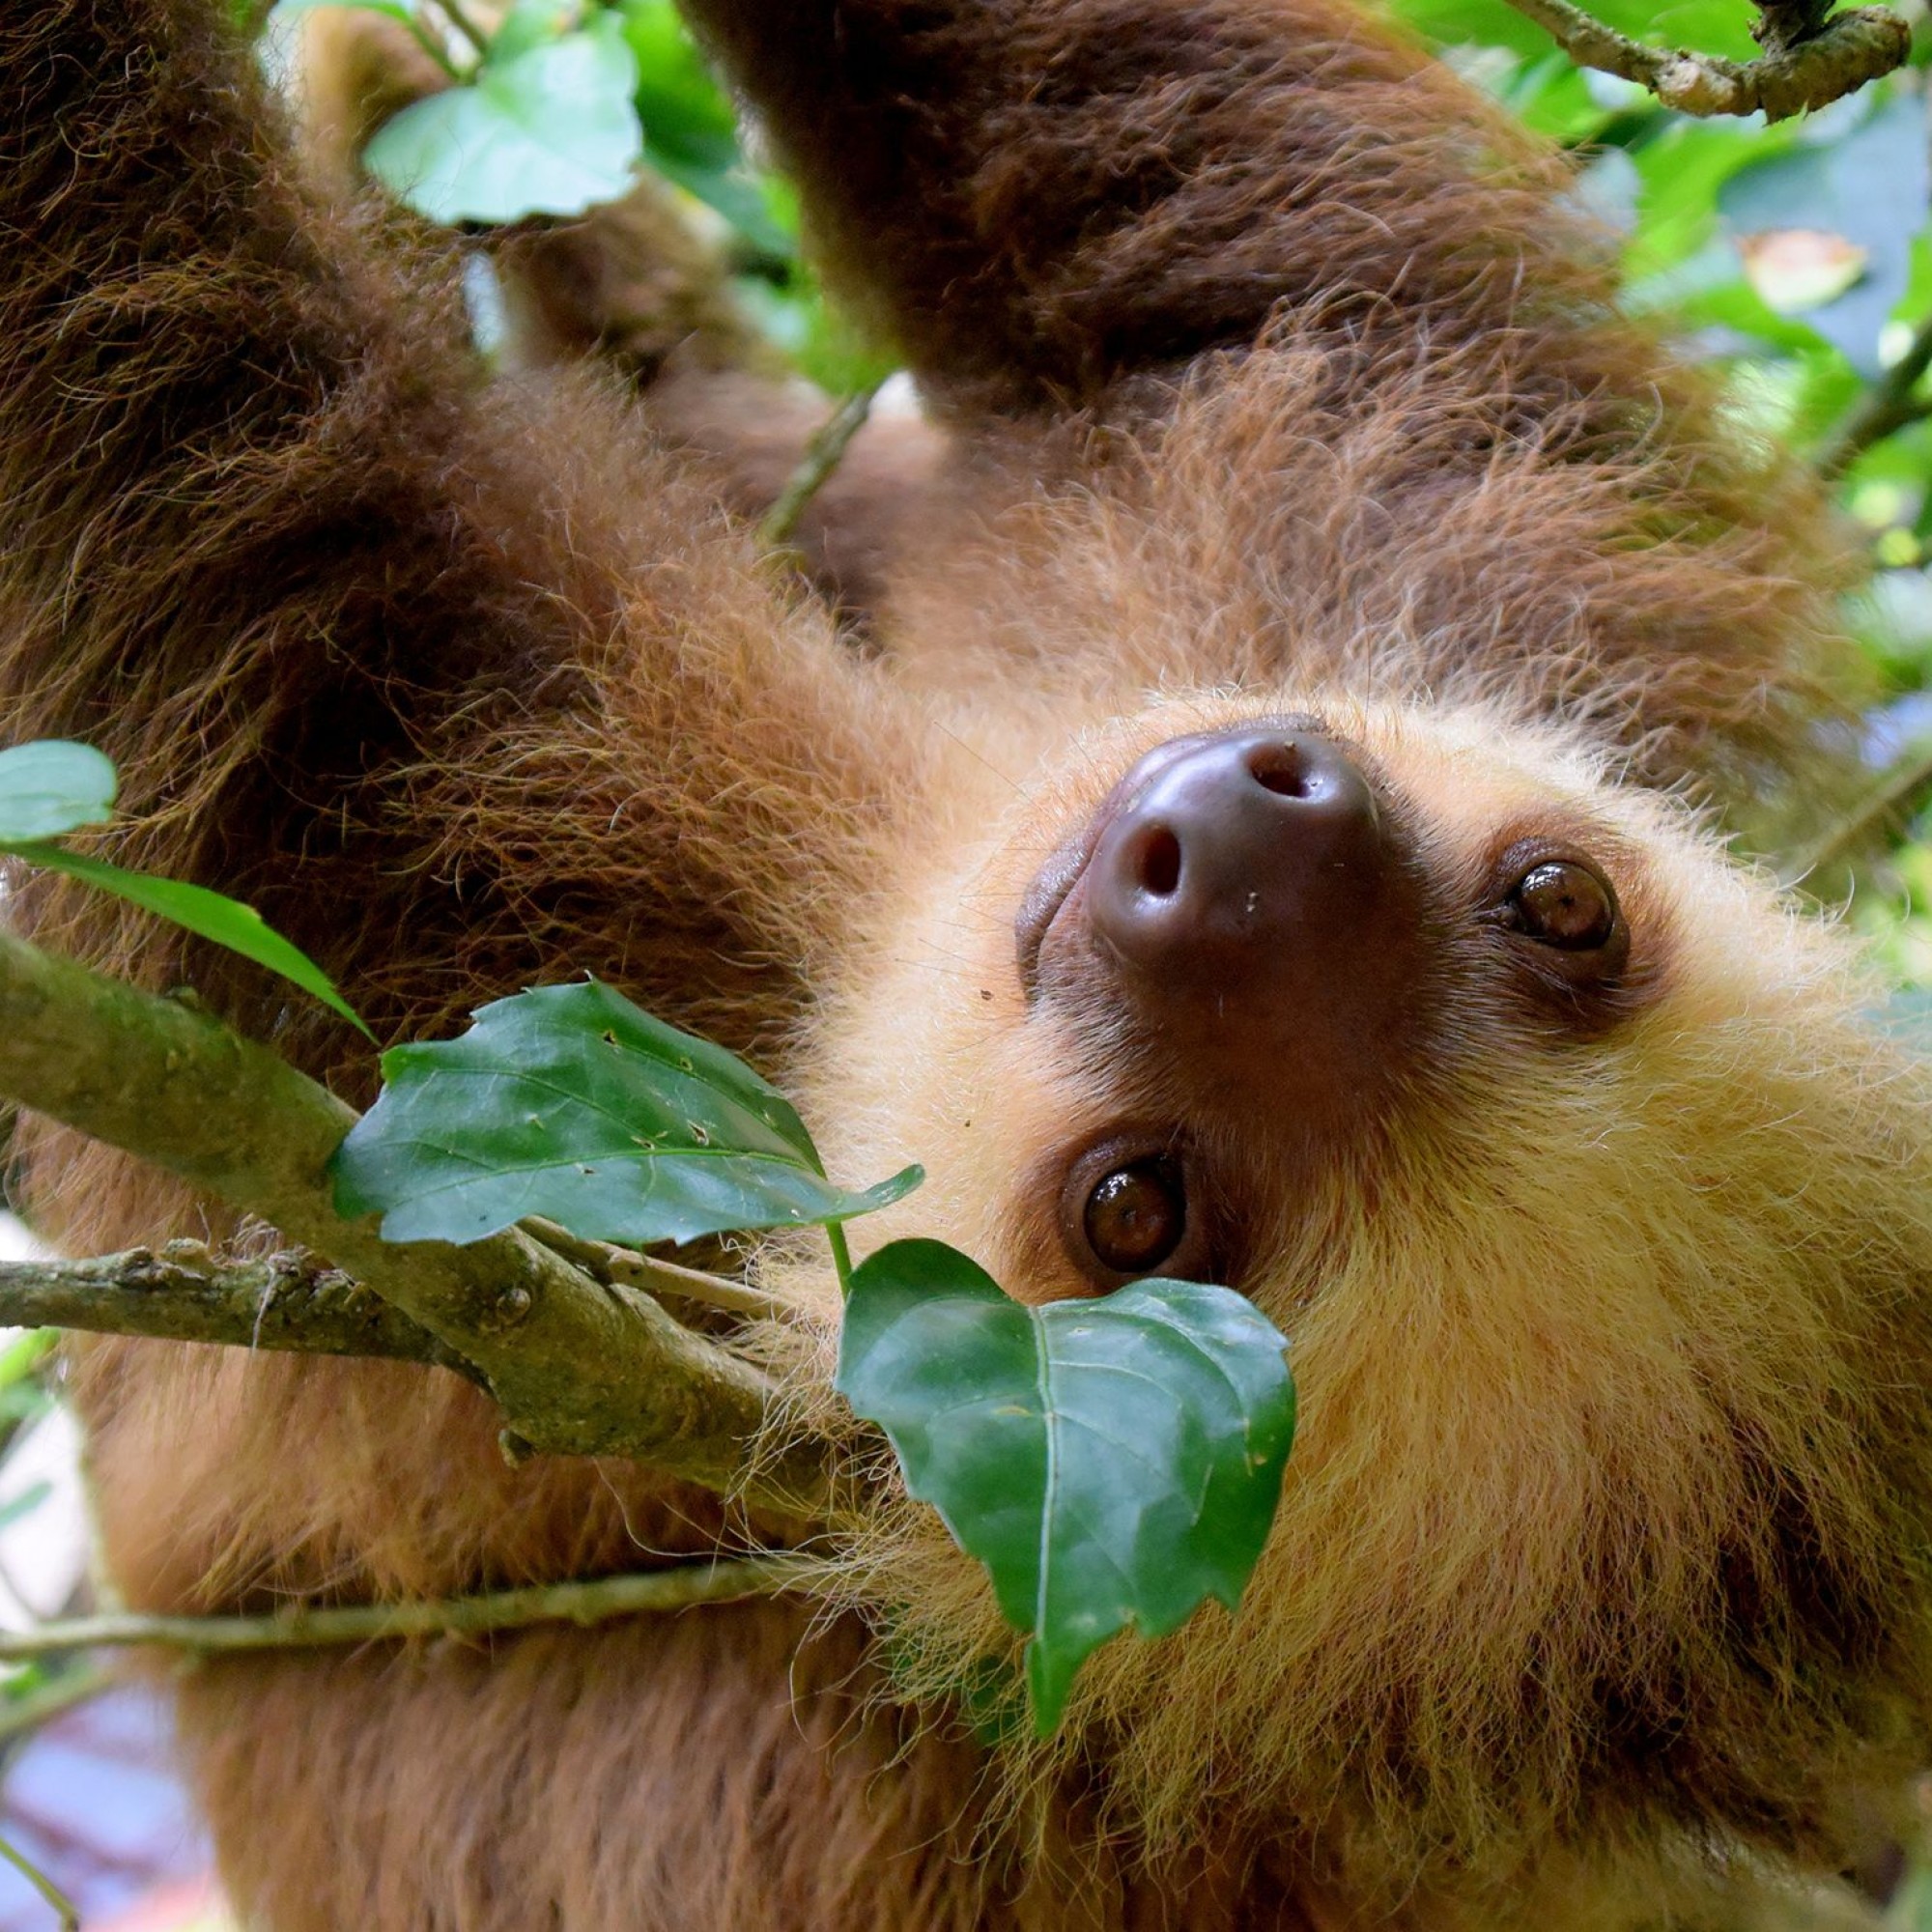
x=1797 y=259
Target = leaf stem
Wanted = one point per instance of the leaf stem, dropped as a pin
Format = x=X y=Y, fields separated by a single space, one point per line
x=841 y=1257
x=1889 y=405
x=72 y=1688
x=822 y=455
x=429 y=43
x=459 y=20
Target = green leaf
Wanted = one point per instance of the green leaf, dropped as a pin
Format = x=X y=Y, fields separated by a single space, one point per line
x=570 y=1102
x=52 y=787
x=226 y=921
x=531 y=25
x=1111 y=1462
x=395 y=9
x=551 y=131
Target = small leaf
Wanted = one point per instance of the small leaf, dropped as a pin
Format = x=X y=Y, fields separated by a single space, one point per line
x=52 y=787
x=1111 y=1462
x=396 y=9
x=1798 y=269
x=571 y=1103
x=551 y=131
x=226 y=921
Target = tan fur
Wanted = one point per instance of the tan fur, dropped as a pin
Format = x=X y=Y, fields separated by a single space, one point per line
x=1597 y=1598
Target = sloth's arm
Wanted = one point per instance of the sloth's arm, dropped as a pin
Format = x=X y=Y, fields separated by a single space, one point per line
x=438 y=674
x=1039 y=198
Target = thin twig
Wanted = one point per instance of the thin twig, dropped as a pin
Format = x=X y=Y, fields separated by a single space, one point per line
x=598 y=1601
x=290 y=1301
x=21 y=1717
x=628 y=1269
x=821 y=458
x=1849 y=50
x=1904 y=782
x=430 y=45
x=459 y=18
x=63 y=1906
x=1887 y=405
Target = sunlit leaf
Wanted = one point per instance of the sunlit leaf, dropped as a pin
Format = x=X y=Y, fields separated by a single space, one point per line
x=1800 y=269
x=287 y=9
x=53 y=787
x=1111 y=1462
x=551 y=131
x=571 y=1103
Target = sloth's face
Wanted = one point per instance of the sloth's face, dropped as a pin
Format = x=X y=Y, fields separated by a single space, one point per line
x=1235 y=970
x=1596 y=1212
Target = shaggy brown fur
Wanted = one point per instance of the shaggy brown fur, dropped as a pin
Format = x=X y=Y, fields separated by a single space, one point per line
x=1599 y=1579
x=636 y=287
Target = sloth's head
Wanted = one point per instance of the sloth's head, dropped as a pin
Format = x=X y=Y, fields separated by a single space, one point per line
x=1596 y=1208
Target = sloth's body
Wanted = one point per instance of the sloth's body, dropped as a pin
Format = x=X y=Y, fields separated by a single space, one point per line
x=1304 y=474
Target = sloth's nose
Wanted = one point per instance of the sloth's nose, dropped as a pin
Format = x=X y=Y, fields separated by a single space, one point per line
x=1255 y=906
x=1247 y=849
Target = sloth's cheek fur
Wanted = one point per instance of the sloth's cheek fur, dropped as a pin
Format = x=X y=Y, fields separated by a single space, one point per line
x=1597 y=1286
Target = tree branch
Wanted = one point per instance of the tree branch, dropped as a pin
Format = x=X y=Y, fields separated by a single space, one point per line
x=1886 y=406
x=724 y=1581
x=580 y=1367
x=187 y=1293
x=1794 y=74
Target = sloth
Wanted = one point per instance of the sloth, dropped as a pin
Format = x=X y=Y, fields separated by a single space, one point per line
x=1266 y=839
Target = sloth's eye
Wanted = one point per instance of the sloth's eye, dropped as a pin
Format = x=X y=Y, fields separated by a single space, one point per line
x=1135 y=1216
x=1567 y=904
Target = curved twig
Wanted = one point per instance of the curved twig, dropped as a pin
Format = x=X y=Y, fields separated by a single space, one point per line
x=728 y=1579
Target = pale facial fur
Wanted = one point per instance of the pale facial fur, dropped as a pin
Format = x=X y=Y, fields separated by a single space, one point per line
x=1605 y=1344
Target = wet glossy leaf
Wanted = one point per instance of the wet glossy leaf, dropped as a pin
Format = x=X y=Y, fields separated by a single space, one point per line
x=552 y=130
x=571 y=1102
x=1111 y=1462
x=53 y=786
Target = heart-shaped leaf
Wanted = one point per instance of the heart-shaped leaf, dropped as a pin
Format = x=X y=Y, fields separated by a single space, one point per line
x=550 y=131
x=1111 y=1462
x=52 y=787
x=571 y=1103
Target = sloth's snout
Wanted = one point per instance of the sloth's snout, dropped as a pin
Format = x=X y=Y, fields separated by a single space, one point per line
x=1250 y=902
x=1246 y=849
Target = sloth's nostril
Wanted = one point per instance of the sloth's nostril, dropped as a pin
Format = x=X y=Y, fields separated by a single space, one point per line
x=1157 y=862
x=1279 y=768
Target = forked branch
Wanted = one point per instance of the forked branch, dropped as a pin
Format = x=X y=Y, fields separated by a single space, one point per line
x=1808 y=61
x=579 y=1366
